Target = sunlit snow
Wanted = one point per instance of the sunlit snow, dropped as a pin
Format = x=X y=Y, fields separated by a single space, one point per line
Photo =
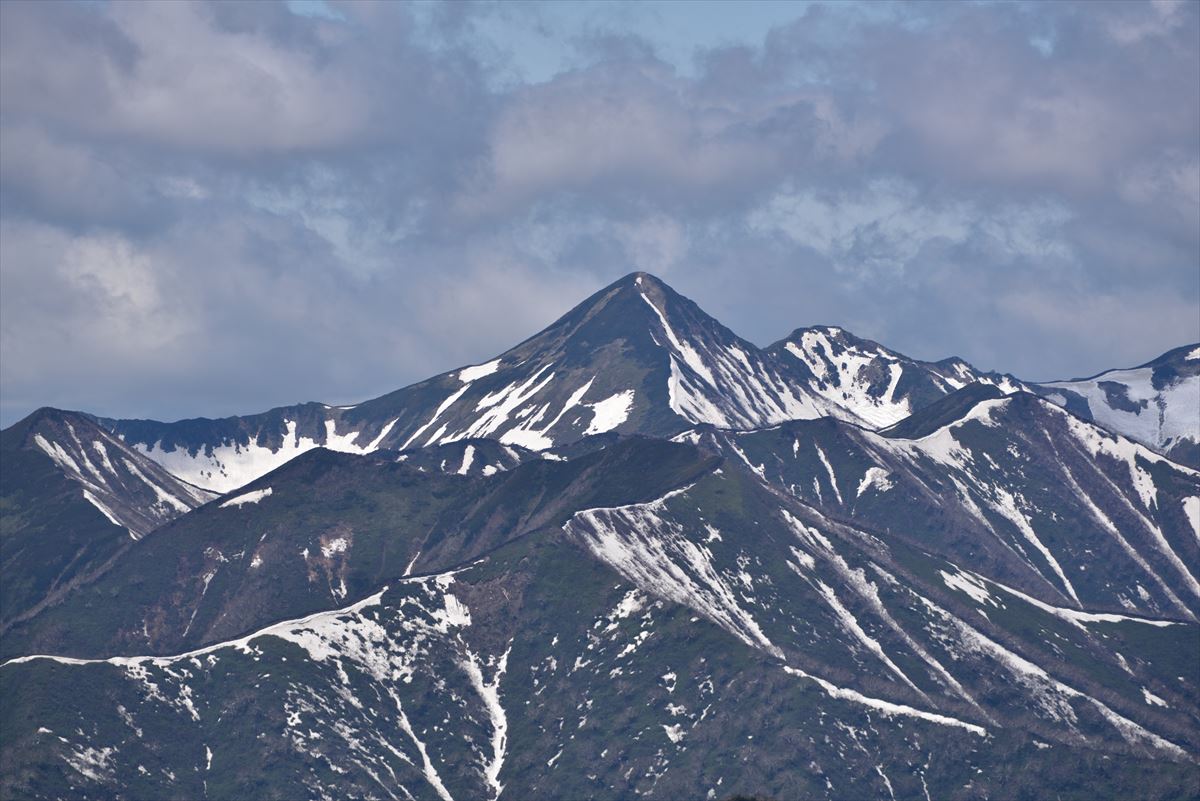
x=253 y=496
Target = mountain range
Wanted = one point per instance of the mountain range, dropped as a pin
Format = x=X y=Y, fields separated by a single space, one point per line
x=634 y=555
x=637 y=357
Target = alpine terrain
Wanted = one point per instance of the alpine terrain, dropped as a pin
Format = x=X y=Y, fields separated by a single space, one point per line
x=633 y=556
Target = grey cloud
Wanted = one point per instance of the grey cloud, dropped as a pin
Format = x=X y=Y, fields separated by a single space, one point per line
x=637 y=131
x=214 y=208
x=979 y=98
x=46 y=178
x=166 y=74
x=232 y=80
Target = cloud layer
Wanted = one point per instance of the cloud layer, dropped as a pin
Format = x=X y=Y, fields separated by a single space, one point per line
x=215 y=208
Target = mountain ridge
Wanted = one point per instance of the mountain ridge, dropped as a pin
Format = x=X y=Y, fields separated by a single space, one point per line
x=635 y=356
x=613 y=363
x=1156 y=403
x=633 y=555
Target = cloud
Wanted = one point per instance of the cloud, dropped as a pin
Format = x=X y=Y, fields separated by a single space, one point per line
x=171 y=74
x=611 y=129
x=1131 y=25
x=210 y=208
x=974 y=98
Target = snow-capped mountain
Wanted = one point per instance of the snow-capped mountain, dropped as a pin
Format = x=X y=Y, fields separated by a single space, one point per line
x=1157 y=404
x=1011 y=487
x=634 y=555
x=129 y=489
x=636 y=357
x=879 y=387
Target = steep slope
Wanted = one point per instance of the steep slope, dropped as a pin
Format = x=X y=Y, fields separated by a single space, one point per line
x=719 y=637
x=325 y=528
x=1012 y=487
x=879 y=387
x=873 y=619
x=636 y=357
x=942 y=412
x=72 y=496
x=1156 y=404
x=130 y=490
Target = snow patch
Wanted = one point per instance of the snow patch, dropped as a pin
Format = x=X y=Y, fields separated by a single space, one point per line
x=886 y=707
x=254 y=496
x=92 y=763
x=338 y=545
x=875 y=477
x=469 y=374
x=468 y=458
x=610 y=412
x=1160 y=416
x=829 y=470
x=971 y=585
x=1191 y=509
x=490 y=693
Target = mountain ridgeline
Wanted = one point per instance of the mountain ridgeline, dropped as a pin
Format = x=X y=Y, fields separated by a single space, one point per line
x=633 y=556
x=636 y=357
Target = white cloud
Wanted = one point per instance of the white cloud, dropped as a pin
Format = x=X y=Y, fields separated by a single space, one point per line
x=880 y=230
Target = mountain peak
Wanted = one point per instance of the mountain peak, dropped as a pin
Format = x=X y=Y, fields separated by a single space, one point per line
x=131 y=490
x=641 y=280
x=46 y=418
x=647 y=290
x=625 y=303
x=876 y=384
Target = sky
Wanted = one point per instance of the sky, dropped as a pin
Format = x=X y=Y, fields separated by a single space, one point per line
x=216 y=208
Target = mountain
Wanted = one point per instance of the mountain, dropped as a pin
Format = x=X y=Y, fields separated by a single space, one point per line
x=73 y=496
x=632 y=556
x=636 y=357
x=878 y=386
x=129 y=489
x=1011 y=487
x=1156 y=404
x=705 y=633
x=324 y=528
